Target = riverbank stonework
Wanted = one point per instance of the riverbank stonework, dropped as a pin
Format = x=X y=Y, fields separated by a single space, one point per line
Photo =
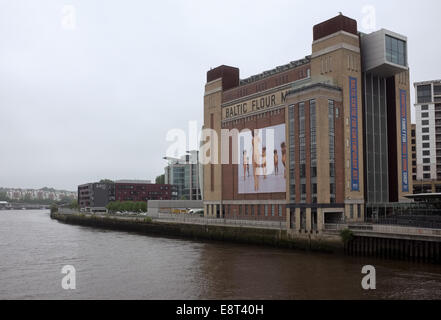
x=247 y=235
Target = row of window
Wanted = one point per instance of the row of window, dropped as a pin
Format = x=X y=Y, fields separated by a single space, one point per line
x=331 y=150
x=313 y=144
x=257 y=210
x=313 y=149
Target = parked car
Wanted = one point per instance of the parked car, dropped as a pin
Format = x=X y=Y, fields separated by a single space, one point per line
x=196 y=212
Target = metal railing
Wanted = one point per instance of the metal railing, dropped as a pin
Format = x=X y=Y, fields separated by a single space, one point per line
x=406 y=230
x=67 y=211
x=182 y=218
x=335 y=227
x=384 y=229
x=416 y=221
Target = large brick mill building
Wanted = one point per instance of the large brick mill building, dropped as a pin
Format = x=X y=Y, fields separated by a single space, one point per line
x=341 y=124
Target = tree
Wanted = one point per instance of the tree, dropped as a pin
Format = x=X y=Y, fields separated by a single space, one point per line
x=160 y=179
x=3 y=196
x=74 y=204
x=129 y=206
x=346 y=235
x=106 y=181
x=66 y=200
x=141 y=207
x=54 y=208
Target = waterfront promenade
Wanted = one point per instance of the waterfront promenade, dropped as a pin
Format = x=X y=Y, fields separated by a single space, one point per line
x=384 y=241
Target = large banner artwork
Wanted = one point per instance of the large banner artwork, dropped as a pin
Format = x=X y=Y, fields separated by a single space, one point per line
x=263 y=156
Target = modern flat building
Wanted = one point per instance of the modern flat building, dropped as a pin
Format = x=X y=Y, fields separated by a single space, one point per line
x=95 y=196
x=143 y=190
x=185 y=174
x=319 y=140
x=428 y=130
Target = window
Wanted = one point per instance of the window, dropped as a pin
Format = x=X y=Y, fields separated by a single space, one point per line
x=424 y=93
x=332 y=188
x=314 y=172
x=425 y=130
x=426 y=153
x=266 y=210
x=272 y=210
x=258 y=209
x=426 y=138
x=351 y=210
x=424 y=115
x=425 y=108
x=280 y=210
x=252 y=210
x=395 y=50
x=359 y=210
x=426 y=160
x=303 y=170
x=425 y=122
x=426 y=168
x=331 y=170
x=426 y=176
x=426 y=145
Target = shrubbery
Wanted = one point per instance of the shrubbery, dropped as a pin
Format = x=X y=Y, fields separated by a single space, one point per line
x=54 y=208
x=127 y=206
x=346 y=235
x=74 y=205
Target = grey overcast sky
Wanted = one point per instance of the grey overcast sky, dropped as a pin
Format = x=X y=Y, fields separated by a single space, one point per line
x=93 y=97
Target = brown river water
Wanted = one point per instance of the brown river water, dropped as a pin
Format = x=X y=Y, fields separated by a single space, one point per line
x=121 y=265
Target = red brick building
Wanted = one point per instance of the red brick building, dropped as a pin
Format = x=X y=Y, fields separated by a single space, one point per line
x=138 y=190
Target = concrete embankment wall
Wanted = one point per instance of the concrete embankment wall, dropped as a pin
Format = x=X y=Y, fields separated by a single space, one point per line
x=257 y=236
x=397 y=249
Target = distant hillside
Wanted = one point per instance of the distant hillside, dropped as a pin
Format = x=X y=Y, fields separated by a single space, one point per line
x=41 y=196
